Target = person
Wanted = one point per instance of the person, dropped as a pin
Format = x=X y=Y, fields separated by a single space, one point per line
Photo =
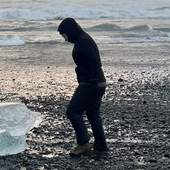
x=91 y=87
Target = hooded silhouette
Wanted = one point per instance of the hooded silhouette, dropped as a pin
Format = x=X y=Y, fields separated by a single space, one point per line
x=85 y=52
x=88 y=95
x=71 y=28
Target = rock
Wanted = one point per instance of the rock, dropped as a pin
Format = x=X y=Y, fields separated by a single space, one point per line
x=120 y=80
x=167 y=155
x=46 y=166
x=167 y=132
x=153 y=161
x=122 y=85
x=69 y=168
x=144 y=102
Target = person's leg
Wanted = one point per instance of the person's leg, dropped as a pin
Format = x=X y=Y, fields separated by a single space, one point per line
x=93 y=115
x=74 y=113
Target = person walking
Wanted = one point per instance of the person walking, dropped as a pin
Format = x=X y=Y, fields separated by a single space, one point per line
x=91 y=87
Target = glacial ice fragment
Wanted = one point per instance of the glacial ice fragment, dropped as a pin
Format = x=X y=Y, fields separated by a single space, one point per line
x=15 y=121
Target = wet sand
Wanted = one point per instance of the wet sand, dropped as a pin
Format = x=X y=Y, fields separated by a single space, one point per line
x=135 y=108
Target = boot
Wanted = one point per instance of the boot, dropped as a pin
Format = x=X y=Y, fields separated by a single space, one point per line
x=81 y=149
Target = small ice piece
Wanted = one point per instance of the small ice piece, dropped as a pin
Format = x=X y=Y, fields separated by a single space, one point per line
x=15 y=121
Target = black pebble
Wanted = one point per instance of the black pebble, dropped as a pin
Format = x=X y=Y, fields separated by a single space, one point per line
x=120 y=80
x=153 y=161
x=167 y=155
x=144 y=102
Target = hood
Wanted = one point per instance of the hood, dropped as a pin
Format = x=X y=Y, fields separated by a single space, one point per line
x=71 y=28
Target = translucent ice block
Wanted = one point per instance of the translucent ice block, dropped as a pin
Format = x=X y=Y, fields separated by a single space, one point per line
x=15 y=121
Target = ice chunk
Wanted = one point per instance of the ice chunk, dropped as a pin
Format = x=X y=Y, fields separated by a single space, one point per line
x=11 y=144
x=15 y=121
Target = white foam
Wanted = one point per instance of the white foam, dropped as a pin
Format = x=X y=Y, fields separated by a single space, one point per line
x=11 y=40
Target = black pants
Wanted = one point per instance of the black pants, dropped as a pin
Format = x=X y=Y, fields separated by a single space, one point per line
x=87 y=98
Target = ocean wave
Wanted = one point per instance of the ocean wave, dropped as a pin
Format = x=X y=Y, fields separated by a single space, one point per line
x=51 y=13
x=104 y=27
x=140 y=28
x=20 y=29
x=137 y=40
x=114 y=27
x=163 y=29
x=49 y=42
x=161 y=8
x=25 y=29
x=11 y=40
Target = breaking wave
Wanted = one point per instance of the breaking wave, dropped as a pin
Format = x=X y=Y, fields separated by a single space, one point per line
x=161 y=8
x=114 y=27
x=104 y=27
x=140 y=28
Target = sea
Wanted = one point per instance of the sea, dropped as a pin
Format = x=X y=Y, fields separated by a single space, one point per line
x=25 y=22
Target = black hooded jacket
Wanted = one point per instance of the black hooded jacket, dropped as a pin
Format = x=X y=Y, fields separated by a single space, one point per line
x=85 y=52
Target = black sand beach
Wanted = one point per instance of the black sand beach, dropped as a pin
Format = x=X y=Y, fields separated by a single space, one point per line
x=135 y=108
